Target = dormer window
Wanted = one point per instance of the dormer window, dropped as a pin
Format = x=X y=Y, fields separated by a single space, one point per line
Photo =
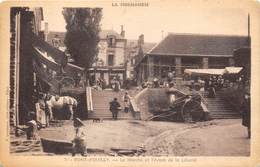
x=111 y=39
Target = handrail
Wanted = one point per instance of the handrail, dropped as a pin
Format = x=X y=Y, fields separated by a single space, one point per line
x=134 y=105
x=89 y=99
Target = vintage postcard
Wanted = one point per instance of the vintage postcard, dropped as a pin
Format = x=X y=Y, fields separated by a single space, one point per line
x=130 y=83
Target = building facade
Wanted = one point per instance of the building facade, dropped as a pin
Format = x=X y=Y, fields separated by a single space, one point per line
x=136 y=49
x=110 y=61
x=177 y=52
x=24 y=22
x=111 y=58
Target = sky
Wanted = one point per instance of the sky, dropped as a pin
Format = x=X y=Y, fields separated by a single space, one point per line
x=156 y=21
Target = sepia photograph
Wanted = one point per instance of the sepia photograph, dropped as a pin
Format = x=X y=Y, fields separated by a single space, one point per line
x=120 y=80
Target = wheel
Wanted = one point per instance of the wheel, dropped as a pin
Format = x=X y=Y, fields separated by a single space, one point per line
x=186 y=113
x=192 y=111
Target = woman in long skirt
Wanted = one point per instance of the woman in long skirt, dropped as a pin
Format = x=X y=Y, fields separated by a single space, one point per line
x=40 y=111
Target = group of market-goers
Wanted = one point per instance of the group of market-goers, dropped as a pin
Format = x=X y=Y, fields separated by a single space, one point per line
x=212 y=84
x=115 y=84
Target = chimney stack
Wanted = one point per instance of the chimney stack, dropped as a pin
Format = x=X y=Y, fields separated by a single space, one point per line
x=46 y=31
x=122 y=31
x=141 y=40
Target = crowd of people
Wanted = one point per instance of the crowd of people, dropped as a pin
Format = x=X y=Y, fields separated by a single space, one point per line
x=116 y=84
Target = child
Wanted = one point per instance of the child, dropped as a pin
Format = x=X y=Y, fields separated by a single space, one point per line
x=79 y=145
x=32 y=129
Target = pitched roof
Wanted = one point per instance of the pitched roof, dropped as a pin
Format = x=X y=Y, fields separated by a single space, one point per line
x=132 y=46
x=199 y=44
x=103 y=35
x=131 y=43
x=148 y=46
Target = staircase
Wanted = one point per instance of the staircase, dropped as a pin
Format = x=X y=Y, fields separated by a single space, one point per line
x=22 y=146
x=219 y=107
x=101 y=99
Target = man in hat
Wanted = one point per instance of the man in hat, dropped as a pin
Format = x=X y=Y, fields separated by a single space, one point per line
x=79 y=144
x=114 y=108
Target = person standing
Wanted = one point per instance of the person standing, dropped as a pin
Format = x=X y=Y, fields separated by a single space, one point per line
x=211 y=89
x=32 y=127
x=64 y=62
x=126 y=99
x=41 y=110
x=114 y=108
x=79 y=142
x=47 y=97
x=246 y=114
x=77 y=79
x=155 y=83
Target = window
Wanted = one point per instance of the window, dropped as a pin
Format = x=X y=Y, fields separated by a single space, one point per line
x=110 y=60
x=111 y=40
x=132 y=62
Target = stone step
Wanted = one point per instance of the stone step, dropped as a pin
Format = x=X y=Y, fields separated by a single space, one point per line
x=224 y=117
x=217 y=104
x=98 y=115
x=224 y=113
x=23 y=145
x=101 y=100
x=220 y=109
x=215 y=100
x=110 y=118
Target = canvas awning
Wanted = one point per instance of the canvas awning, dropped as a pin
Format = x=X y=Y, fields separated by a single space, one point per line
x=204 y=71
x=232 y=70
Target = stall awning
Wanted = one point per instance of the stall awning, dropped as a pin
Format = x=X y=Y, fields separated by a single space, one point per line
x=204 y=71
x=232 y=70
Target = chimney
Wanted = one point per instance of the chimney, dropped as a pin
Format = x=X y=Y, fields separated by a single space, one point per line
x=141 y=40
x=46 y=31
x=122 y=31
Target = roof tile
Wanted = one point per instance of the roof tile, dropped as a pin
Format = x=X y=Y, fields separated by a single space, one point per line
x=199 y=44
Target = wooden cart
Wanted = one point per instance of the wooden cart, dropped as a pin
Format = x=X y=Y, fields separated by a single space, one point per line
x=186 y=108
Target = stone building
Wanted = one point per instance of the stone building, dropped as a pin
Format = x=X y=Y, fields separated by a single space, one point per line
x=110 y=61
x=135 y=50
x=242 y=57
x=24 y=22
x=177 y=52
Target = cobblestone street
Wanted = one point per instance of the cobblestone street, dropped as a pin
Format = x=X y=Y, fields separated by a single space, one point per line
x=157 y=138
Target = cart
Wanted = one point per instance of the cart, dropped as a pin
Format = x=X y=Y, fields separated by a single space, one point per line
x=185 y=108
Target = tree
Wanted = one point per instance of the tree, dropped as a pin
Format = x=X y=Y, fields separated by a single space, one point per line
x=82 y=36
